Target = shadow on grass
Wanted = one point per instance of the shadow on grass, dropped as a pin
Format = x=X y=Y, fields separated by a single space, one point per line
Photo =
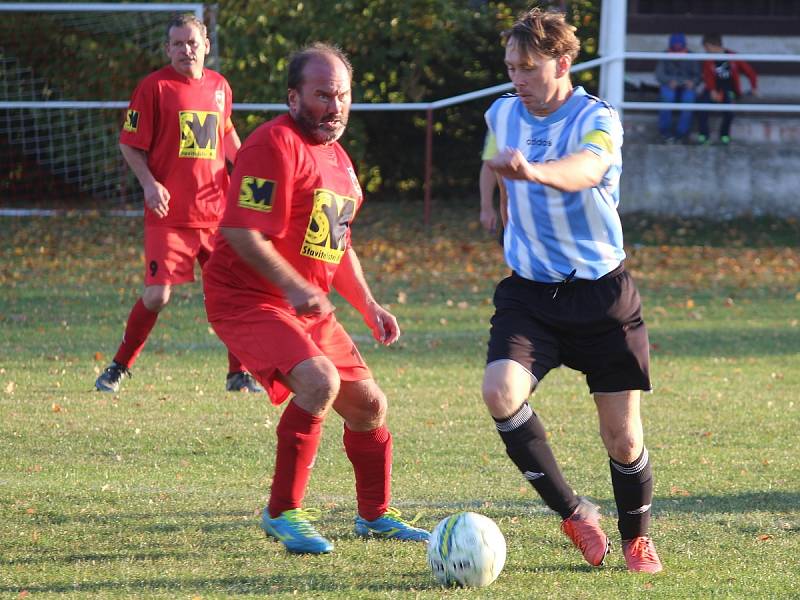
x=117 y=518
x=239 y=585
x=759 y=342
x=97 y=557
x=748 y=502
x=755 y=502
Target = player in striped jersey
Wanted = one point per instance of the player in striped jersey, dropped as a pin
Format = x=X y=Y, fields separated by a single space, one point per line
x=569 y=300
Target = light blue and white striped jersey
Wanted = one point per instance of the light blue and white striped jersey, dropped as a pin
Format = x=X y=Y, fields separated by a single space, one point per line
x=549 y=233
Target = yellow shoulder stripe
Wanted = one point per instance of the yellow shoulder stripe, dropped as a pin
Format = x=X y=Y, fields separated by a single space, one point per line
x=598 y=138
x=489 y=147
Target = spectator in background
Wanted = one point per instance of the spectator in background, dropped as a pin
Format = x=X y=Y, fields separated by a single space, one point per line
x=722 y=85
x=678 y=80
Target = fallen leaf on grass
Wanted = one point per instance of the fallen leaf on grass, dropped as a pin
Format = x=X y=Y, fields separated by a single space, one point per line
x=10 y=386
x=764 y=537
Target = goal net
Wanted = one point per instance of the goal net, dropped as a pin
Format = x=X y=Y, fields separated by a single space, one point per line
x=66 y=73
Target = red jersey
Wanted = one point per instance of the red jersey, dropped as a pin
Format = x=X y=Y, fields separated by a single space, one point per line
x=724 y=74
x=301 y=196
x=181 y=124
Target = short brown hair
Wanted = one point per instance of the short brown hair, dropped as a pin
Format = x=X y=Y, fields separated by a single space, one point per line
x=714 y=39
x=298 y=60
x=186 y=20
x=546 y=33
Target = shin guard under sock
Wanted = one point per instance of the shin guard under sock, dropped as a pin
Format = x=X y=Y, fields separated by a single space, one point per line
x=299 y=434
x=526 y=445
x=141 y=321
x=633 y=492
x=371 y=455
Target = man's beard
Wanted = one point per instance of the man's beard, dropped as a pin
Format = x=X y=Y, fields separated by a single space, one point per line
x=320 y=130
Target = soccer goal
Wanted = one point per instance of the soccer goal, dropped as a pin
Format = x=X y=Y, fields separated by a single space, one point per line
x=66 y=73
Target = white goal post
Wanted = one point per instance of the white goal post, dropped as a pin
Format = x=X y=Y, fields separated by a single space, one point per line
x=45 y=135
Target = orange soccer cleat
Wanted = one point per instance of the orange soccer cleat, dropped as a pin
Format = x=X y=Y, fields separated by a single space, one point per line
x=640 y=555
x=583 y=528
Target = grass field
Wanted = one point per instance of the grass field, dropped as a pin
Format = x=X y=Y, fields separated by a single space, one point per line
x=154 y=493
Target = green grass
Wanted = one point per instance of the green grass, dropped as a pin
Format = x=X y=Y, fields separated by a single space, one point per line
x=154 y=493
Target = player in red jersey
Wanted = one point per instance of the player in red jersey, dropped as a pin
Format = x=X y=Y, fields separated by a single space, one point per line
x=284 y=242
x=176 y=137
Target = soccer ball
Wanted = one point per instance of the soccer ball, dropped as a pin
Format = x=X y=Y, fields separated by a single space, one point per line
x=466 y=549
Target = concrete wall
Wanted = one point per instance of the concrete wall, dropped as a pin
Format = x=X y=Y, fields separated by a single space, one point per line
x=711 y=181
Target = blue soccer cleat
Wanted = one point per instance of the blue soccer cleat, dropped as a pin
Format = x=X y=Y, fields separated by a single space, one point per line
x=390 y=526
x=293 y=529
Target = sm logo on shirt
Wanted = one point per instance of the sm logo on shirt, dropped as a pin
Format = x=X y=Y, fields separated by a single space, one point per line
x=256 y=193
x=131 y=121
x=327 y=227
x=198 y=134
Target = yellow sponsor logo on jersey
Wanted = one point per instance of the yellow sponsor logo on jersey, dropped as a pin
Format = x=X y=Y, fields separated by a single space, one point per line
x=598 y=138
x=131 y=121
x=327 y=227
x=198 y=134
x=256 y=193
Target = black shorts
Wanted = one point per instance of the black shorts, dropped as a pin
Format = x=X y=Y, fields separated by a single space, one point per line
x=595 y=327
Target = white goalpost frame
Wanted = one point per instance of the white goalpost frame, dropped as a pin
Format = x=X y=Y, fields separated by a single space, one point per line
x=194 y=7
x=89 y=7
x=85 y=180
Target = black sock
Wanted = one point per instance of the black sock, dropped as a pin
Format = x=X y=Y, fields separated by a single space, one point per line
x=526 y=445
x=633 y=492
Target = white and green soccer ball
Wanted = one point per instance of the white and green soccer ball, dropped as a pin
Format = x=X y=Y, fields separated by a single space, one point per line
x=466 y=549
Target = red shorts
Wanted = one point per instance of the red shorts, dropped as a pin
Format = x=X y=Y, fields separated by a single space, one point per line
x=170 y=252
x=271 y=341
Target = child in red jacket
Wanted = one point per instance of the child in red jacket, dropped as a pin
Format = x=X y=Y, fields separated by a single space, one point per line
x=722 y=81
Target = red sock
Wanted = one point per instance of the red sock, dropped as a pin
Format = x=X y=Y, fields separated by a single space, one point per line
x=298 y=440
x=234 y=364
x=371 y=455
x=140 y=323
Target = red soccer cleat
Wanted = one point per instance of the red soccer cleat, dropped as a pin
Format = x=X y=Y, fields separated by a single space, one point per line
x=640 y=555
x=583 y=528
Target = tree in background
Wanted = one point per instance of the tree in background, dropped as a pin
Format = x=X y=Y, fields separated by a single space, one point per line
x=415 y=51
x=410 y=51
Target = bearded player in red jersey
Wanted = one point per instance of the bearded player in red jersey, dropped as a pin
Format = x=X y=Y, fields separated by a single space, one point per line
x=284 y=242
x=176 y=137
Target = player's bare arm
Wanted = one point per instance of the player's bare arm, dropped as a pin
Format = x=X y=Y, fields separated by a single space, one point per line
x=349 y=281
x=260 y=254
x=486 y=183
x=575 y=172
x=231 y=143
x=501 y=187
x=156 y=196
